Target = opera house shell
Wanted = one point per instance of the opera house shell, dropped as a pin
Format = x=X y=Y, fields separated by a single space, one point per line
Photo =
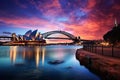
x=32 y=36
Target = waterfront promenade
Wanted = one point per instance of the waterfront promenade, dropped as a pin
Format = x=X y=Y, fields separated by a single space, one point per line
x=103 y=50
x=106 y=67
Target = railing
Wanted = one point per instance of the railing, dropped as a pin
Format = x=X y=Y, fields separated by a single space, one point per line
x=5 y=38
x=103 y=50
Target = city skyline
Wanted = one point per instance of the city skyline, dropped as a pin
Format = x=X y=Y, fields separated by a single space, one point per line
x=89 y=19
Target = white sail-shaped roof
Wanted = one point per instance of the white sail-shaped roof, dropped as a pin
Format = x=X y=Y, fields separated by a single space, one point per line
x=33 y=35
x=28 y=33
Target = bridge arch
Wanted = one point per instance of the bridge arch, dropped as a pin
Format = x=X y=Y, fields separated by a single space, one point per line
x=70 y=36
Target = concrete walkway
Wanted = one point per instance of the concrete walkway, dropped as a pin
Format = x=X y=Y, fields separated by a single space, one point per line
x=107 y=68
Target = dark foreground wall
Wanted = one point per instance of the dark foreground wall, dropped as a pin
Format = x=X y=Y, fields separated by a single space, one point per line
x=107 y=68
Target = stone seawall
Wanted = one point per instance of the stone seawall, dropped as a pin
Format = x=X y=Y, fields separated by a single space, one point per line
x=106 y=67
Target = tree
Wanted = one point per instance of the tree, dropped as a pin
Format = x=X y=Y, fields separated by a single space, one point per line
x=113 y=36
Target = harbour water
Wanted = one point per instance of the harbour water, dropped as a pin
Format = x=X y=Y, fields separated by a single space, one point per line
x=53 y=62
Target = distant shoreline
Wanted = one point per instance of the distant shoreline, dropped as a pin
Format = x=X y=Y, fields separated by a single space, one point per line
x=37 y=44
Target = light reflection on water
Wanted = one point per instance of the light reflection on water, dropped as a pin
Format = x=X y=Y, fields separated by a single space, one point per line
x=39 y=52
x=28 y=63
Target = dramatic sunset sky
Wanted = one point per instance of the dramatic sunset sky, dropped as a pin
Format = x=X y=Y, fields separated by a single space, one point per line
x=89 y=19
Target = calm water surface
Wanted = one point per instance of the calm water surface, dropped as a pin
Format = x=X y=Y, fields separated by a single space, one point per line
x=55 y=62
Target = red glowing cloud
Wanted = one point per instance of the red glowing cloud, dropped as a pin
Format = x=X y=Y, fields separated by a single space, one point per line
x=89 y=19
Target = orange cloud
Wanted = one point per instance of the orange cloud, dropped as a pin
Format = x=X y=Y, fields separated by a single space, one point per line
x=89 y=19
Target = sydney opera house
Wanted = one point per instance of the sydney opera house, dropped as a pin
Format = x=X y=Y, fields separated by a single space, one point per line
x=30 y=37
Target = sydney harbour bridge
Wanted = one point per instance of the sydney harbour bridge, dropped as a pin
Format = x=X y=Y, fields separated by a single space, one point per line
x=29 y=35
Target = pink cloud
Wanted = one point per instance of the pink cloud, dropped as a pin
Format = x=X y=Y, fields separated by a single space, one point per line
x=51 y=8
x=33 y=23
x=93 y=25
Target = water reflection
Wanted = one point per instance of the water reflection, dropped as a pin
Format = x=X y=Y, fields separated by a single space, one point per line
x=40 y=52
x=37 y=56
x=24 y=52
x=43 y=55
x=37 y=52
x=55 y=62
x=13 y=53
